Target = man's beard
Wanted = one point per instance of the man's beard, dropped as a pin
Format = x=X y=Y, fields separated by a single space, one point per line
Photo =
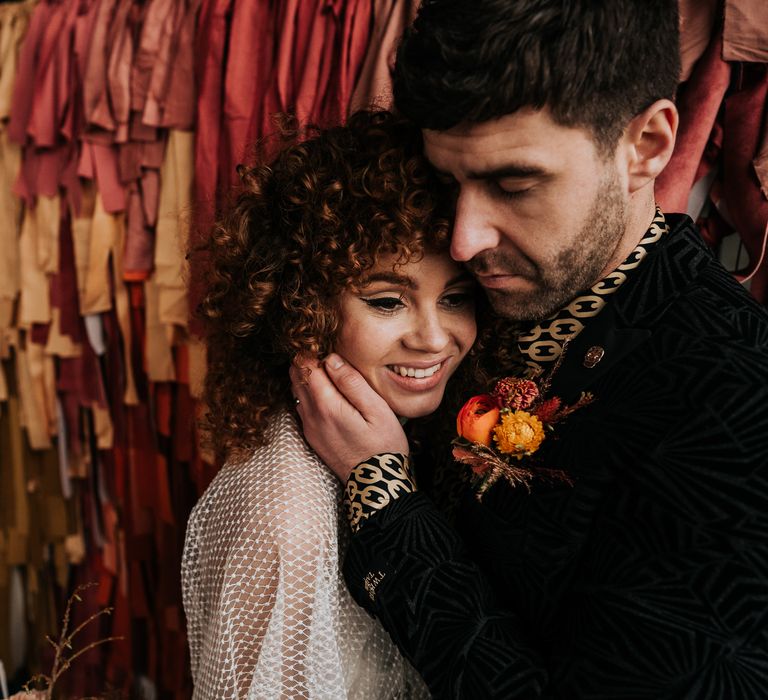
x=574 y=270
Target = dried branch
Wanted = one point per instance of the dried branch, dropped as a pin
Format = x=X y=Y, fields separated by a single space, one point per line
x=68 y=662
x=61 y=661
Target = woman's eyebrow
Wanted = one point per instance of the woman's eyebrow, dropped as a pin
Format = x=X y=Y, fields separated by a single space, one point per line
x=409 y=282
x=391 y=277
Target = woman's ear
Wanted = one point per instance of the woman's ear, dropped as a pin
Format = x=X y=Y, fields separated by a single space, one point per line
x=648 y=143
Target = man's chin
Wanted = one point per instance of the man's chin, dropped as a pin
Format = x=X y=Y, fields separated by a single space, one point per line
x=530 y=306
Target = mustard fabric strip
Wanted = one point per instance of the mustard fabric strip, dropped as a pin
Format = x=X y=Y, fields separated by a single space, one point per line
x=82 y=222
x=197 y=360
x=103 y=428
x=33 y=415
x=59 y=344
x=10 y=219
x=101 y=241
x=172 y=233
x=35 y=303
x=47 y=212
x=158 y=350
x=122 y=306
x=14 y=20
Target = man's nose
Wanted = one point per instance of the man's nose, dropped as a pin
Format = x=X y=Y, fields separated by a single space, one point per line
x=428 y=333
x=473 y=228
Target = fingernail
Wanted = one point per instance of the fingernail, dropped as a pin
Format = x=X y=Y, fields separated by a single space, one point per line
x=334 y=361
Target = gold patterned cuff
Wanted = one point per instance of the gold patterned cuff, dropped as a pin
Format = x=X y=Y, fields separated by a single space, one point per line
x=375 y=483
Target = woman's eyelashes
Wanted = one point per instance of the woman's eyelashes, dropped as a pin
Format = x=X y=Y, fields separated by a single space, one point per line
x=386 y=305
x=458 y=299
x=454 y=300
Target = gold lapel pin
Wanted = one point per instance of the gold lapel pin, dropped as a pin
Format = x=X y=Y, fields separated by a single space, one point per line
x=593 y=356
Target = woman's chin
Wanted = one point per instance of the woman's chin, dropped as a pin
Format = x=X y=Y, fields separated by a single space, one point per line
x=415 y=408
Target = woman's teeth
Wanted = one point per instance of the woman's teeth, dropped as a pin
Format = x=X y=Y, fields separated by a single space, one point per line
x=413 y=372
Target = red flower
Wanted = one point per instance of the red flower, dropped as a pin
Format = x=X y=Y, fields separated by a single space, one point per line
x=516 y=394
x=477 y=419
x=547 y=412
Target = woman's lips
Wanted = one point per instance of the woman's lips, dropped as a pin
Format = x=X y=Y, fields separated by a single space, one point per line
x=417 y=383
x=420 y=370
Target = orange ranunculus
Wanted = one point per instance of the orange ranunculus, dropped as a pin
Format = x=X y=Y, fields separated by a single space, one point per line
x=477 y=419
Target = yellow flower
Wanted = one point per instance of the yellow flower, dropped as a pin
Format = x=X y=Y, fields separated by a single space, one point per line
x=519 y=433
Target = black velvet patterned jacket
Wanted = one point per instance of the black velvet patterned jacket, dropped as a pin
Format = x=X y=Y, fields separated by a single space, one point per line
x=649 y=577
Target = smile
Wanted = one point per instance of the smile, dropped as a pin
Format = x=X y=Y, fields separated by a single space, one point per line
x=417 y=373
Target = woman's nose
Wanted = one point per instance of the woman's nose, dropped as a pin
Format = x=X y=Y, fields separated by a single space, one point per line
x=428 y=333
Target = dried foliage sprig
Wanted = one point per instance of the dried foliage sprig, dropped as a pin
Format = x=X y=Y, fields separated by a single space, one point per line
x=41 y=684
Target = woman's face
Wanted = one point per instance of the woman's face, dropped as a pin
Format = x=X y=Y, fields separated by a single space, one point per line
x=406 y=329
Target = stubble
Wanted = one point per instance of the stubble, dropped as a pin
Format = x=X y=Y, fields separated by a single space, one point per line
x=574 y=269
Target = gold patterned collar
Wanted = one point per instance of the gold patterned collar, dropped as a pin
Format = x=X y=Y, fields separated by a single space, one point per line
x=543 y=344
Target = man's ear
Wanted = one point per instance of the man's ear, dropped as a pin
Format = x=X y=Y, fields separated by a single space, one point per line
x=648 y=143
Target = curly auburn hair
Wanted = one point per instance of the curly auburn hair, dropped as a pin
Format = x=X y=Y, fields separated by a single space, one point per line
x=302 y=230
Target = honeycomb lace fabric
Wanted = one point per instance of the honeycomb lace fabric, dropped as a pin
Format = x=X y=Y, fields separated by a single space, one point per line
x=267 y=610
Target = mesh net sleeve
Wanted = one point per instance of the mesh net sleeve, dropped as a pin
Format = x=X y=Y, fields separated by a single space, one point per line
x=268 y=614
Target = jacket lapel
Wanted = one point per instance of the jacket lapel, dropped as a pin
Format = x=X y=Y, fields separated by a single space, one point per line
x=631 y=315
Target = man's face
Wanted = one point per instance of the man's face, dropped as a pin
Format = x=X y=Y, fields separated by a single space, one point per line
x=540 y=212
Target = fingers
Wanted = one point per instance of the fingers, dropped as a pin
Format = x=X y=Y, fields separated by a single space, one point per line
x=343 y=419
x=310 y=383
x=301 y=369
x=334 y=383
x=299 y=375
x=353 y=386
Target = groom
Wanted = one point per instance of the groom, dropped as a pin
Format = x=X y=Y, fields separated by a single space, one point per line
x=648 y=577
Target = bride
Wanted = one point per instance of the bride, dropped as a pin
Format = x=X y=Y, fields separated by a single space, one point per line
x=340 y=244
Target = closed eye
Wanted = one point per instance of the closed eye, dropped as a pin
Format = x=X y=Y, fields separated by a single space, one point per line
x=510 y=193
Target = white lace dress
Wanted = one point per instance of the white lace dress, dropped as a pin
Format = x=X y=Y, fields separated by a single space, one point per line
x=268 y=613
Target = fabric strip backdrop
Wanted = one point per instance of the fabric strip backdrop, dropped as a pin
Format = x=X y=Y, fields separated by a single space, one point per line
x=121 y=125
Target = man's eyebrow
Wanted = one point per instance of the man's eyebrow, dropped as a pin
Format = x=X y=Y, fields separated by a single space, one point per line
x=391 y=277
x=510 y=170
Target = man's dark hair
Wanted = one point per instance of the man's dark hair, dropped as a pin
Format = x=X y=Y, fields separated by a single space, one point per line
x=594 y=63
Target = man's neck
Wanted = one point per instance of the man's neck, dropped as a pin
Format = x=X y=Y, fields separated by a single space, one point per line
x=640 y=212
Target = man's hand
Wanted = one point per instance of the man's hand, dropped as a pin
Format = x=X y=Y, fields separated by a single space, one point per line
x=345 y=421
